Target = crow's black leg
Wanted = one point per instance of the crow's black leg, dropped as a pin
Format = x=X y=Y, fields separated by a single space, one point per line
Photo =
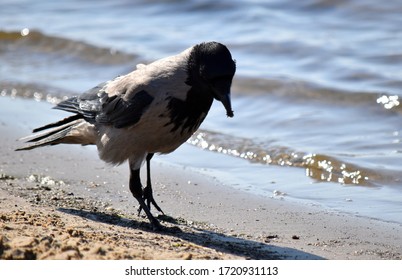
x=136 y=190
x=148 y=196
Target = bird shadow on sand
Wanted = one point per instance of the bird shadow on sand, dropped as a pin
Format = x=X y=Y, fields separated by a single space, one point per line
x=246 y=248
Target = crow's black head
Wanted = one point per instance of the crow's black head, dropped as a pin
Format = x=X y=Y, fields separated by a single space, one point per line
x=211 y=67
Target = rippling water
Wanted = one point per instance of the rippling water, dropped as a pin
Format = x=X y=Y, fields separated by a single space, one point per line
x=317 y=90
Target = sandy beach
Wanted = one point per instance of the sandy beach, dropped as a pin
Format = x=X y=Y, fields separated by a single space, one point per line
x=58 y=203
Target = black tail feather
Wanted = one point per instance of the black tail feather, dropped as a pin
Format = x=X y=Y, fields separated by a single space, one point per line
x=57 y=133
x=59 y=123
x=52 y=137
x=47 y=134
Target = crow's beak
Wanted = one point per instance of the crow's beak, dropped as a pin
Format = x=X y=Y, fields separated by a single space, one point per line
x=222 y=93
x=227 y=104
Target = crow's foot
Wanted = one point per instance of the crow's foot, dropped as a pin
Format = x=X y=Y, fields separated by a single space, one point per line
x=154 y=222
x=149 y=199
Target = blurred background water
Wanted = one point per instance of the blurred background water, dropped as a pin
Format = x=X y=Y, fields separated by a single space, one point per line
x=316 y=94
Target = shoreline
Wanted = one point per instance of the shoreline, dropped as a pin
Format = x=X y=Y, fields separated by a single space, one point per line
x=206 y=219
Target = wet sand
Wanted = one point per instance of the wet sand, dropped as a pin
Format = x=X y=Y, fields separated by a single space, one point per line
x=64 y=203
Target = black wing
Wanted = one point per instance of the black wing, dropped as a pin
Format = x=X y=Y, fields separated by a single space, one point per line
x=96 y=106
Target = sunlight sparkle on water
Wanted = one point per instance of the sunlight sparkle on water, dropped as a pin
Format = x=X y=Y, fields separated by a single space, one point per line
x=388 y=101
x=24 y=31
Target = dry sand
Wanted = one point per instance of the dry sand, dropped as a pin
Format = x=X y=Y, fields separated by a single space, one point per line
x=59 y=203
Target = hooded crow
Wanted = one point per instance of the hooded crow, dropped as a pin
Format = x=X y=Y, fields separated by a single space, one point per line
x=153 y=109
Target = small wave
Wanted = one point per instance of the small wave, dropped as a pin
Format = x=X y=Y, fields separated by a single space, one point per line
x=178 y=6
x=38 y=42
x=33 y=91
x=302 y=91
x=320 y=167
